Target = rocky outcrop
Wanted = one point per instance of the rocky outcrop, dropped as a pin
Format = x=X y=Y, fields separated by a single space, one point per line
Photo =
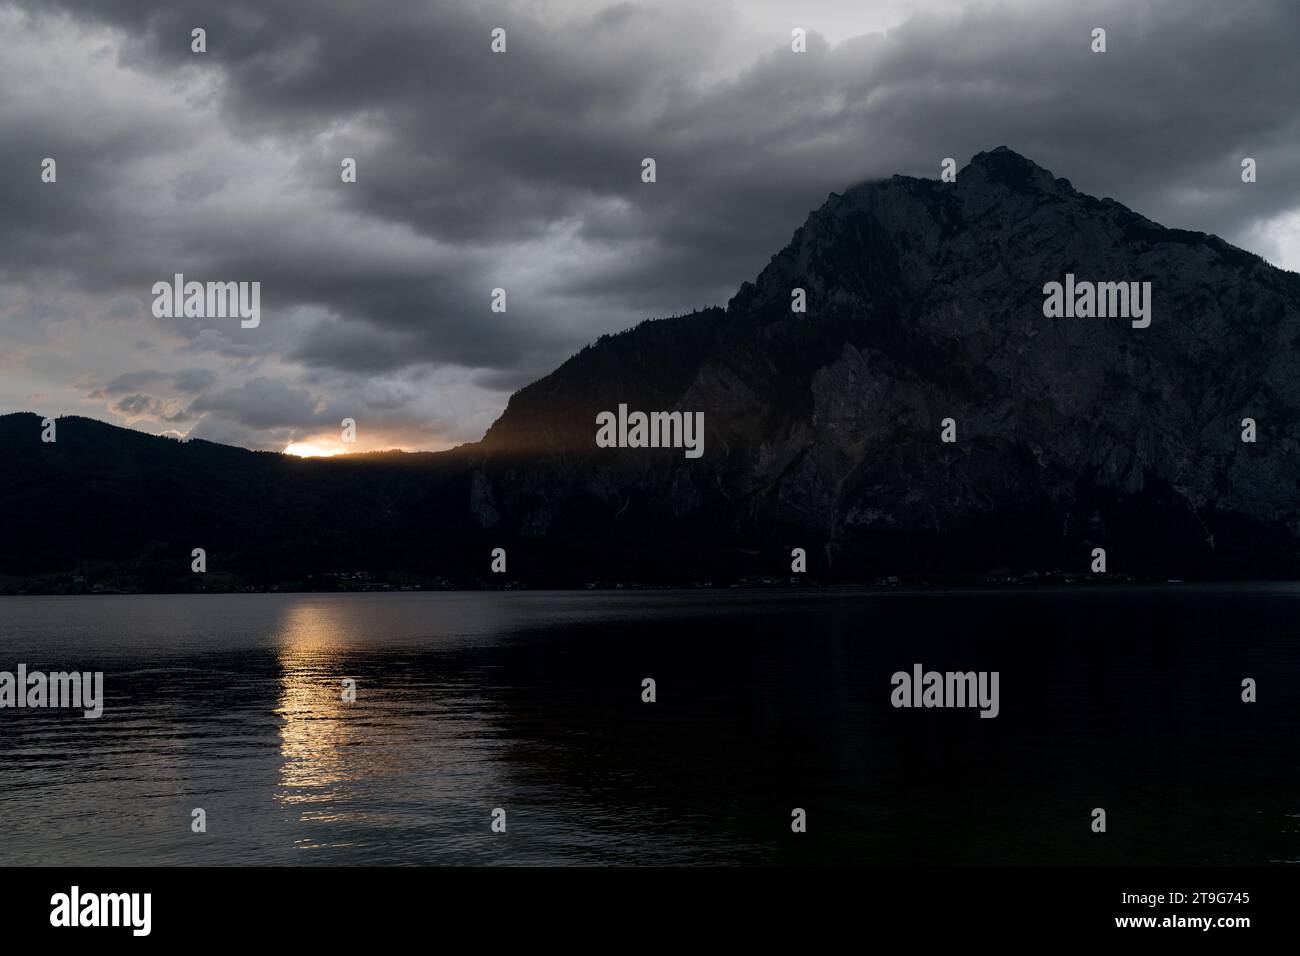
x=925 y=302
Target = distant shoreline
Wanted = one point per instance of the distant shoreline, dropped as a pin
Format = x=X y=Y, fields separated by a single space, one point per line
x=1115 y=584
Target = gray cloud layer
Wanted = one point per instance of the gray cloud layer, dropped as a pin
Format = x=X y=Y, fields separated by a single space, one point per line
x=522 y=171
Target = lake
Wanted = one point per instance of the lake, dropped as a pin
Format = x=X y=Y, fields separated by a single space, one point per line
x=1122 y=698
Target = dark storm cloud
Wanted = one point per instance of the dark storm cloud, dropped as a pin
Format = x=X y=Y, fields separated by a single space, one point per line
x=134 y=406
x=264 y=403
x=191 y=380
x=194 y=379
x=129 y=382
x=137 y=404
x=342 y=346
x=523 y=170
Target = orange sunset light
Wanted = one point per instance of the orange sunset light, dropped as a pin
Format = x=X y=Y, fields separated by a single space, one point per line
x=313 y=449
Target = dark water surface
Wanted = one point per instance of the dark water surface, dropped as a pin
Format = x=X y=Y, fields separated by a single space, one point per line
x=1123 y=698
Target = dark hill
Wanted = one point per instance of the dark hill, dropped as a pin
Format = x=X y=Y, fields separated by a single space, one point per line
x=124 y=508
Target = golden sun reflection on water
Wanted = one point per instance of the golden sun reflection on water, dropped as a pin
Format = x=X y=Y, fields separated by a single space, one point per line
x=320 y=737
x=418 y=744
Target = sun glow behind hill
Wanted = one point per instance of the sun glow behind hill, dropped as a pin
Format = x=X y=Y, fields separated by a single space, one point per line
x=326 y=447
x=316 y=448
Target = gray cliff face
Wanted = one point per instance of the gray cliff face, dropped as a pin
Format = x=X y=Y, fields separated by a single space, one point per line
x=925 y=302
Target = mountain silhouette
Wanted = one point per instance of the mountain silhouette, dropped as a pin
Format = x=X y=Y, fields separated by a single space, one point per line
x=822 y=428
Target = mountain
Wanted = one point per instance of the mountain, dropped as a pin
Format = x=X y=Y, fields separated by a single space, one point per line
x=925 y=302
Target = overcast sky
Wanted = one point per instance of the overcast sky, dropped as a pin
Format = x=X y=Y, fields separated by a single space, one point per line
x=522 y=170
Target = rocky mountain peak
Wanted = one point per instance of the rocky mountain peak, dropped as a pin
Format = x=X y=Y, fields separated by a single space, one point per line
x=925 y=308
x=1006 y=168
